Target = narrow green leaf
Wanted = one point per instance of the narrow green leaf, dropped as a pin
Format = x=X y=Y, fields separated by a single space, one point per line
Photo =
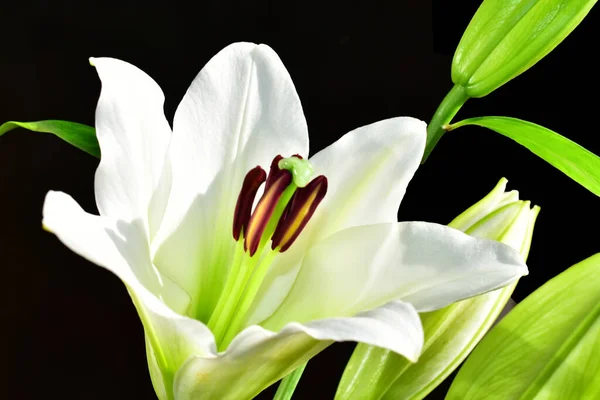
x=507 y=37
x=288 y=384
x=573 y=160
x=81 y=136
x=547 y=347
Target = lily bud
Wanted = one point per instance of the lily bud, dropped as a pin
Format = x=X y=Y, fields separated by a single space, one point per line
x=505 y=38
x=452 y=332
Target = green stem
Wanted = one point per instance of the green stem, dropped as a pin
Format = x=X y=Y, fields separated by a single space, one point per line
x=288 y=384
x=447 y=109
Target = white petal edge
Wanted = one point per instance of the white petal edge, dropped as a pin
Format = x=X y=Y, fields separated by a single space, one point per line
x=133 y=134
x=368 y=171
x=427 y=265
x=96 y=239
x=257 y=357
x=239 y=112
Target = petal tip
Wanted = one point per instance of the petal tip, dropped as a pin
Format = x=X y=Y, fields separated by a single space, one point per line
x=54 y=205
x=45 y=227
x=413 y=358
x=415 y=122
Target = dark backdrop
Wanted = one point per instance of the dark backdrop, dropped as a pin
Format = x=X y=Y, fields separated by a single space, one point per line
x=70 y=330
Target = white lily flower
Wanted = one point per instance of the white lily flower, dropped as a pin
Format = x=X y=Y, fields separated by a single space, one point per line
x=233 y=298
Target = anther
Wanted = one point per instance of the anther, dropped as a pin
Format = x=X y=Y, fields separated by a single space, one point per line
x=298 y=212
x=243 y=207
x=277 y=182
x=274 y=171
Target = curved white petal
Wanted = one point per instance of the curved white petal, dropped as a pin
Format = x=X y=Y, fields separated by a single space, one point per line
x=367 y=171
x=243 y=108
x=257 y=357
x=133 y=135
x=122 y=249
x=241 y=111
x=427 y=265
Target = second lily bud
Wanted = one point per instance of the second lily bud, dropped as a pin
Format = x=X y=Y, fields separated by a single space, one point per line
x=452 y=332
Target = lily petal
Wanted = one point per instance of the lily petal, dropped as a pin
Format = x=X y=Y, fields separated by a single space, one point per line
x=241 y=111
x=367 y=171
x=243 y=108
x=257 y=357
x=123 y=249
x=133 y=135
x=428 y=265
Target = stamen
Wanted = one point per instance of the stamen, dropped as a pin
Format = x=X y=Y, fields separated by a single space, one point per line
x=298 y=212
x=265 y=207
x=243 y=207
x=288 y=202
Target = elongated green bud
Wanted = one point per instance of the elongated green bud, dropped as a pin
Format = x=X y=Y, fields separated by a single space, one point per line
x=506 y=37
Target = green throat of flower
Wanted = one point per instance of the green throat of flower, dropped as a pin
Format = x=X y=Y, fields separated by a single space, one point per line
x=289 y=200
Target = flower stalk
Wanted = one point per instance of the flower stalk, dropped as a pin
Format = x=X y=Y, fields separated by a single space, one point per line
x=448 y=108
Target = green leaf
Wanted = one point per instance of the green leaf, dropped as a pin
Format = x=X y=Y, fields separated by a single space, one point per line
x=507 y=37
x=575 y=161
x=81 y=136
x=288 y=384
x=548 y=347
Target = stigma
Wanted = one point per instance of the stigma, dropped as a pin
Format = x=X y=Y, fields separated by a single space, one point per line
x=289 y=200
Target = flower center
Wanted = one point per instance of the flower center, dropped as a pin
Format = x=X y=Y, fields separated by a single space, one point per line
x=289 y=200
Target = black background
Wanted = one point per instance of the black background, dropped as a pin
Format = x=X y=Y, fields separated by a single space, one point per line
x=70 y=330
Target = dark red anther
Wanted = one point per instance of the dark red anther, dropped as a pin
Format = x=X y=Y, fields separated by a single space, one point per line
x=277 y=182
x=274 y=172
x=243 y=207
x=298 y=212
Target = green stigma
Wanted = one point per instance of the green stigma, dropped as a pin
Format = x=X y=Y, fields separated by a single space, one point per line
x=301 y=169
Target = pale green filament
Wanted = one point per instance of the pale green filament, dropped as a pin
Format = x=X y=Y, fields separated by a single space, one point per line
x=236 y=279
x=301 y=169
x=285 y=198
x=252 y=288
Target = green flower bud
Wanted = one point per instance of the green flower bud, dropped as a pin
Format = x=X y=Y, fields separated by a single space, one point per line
x=506 y=37
x=452 y=332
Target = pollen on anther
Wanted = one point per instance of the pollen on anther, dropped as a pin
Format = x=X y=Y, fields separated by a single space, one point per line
x=243 y=207
x=301 y=208
x=265 y=208
x=274 y=171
